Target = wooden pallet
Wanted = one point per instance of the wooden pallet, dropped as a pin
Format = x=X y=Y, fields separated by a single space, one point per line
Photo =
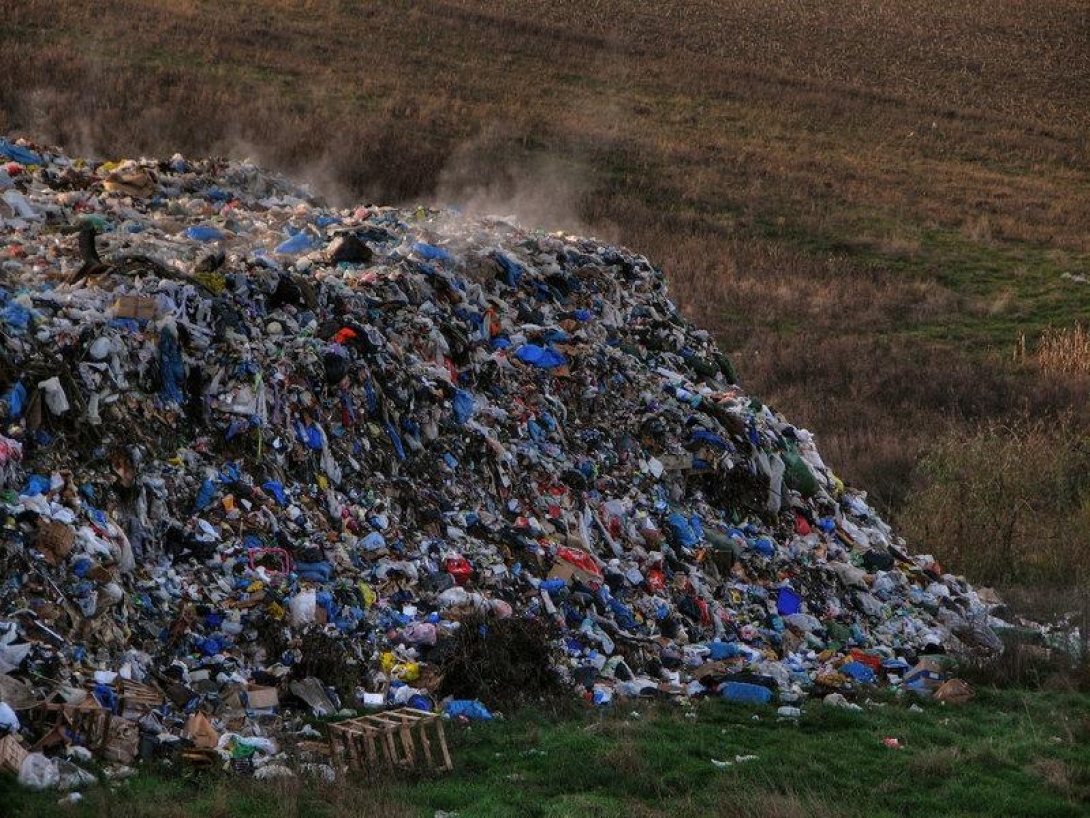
x=388 y=739
x=134 y=699
x=12 y=754
x=88 y=721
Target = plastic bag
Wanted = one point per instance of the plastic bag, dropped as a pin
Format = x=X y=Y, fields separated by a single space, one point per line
x=55 y=398
x=542 y=357
x=8 y=720
x=304 y=606
x=71 y=777
x=464 y=708
x=39 y=772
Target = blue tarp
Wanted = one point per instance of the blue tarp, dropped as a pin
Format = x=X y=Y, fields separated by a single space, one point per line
x=15 y=153
x=541 y=357
x=457 y=708
x=746 y=693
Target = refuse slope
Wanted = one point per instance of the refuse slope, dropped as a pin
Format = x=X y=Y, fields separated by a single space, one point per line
x=227 y=408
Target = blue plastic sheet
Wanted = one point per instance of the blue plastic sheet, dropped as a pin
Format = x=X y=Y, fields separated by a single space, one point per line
x=16 y=317
x=701 y=436
x=746 y=693
x=205 y=495
x=299 y=243
x=682 y=530
x=203 y=232
x=511 y=268
x=276 y=490
x=788 y=602
x=858 y=671
x=36 y=484
x=431 y=252
x=541 y=357
x=15 y=153
x=16 y=400
x=470 y=709
x=463 y=406
x=315 y=571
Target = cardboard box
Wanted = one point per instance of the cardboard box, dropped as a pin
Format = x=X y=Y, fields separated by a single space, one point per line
x=262 y=698
x=201 y=732
x=122 y=741
x=137 y=307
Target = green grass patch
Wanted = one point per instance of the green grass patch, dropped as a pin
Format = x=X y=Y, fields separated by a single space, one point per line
x=1007 y=753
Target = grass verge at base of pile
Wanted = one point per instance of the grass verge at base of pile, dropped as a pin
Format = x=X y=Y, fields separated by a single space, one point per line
x=1010 y=752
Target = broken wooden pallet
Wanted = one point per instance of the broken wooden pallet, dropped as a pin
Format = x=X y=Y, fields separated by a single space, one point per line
x=390 y=739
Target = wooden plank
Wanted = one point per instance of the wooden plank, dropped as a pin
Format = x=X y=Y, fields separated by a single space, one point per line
x=336 y=747
x=391 y=748
x=372 y=750
x=408 y=746
x=448 y=764
x=425 y=744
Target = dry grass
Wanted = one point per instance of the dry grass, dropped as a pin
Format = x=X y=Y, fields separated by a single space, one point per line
x=867 y=202
x=1056 y=773
x=1008 y=504
x=778 y=805
x=938 y=764
x=1065 y=351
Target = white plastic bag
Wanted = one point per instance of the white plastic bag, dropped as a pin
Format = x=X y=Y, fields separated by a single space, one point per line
x=55 y=398
x=303 y=607
x=8 y=720
x=39 y=772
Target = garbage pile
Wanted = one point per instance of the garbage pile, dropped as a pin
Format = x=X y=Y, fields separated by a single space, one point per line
x=248 y=441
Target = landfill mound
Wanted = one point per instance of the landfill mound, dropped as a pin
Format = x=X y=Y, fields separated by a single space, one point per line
x=241 y=428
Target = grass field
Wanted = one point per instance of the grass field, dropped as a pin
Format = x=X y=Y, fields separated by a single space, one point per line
x=1007 y=753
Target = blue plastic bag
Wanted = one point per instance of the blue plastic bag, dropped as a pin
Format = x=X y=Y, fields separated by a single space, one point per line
x=746 y=693
x=723 y=650
x=682 y=530
x=858 y=671
x=431 y=252
x=17 y=317
x=464 y=406
x=18 y=154
x=16 y=400
x=299 y=243
x=395 y=439
x=276 y=490
x=205 y=495
x=203 y=232
x=36 y=484
x=464 y=708
x=513 y=269
x=763 y=545
x=541 y=357
x=788 y=602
